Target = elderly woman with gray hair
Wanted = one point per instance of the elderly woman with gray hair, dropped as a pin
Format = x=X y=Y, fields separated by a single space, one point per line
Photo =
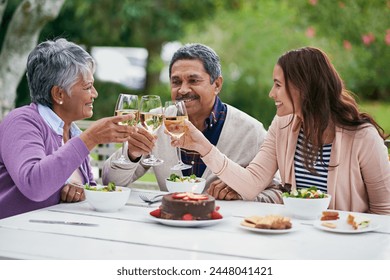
x=44 y=156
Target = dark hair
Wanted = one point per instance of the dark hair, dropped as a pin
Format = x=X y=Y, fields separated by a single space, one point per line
x=323 y=98
x=205 y=54
x=56 y=63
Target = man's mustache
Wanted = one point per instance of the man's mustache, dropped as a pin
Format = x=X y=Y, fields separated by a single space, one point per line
x=186 y=97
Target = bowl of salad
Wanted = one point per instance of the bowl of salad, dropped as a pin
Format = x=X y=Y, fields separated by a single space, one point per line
x=176 y=183
x=306 y=203
x=109 y=198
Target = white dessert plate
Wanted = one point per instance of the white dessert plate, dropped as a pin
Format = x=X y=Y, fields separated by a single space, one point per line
x=181 y=223
x=294 y=227
x=343 y=227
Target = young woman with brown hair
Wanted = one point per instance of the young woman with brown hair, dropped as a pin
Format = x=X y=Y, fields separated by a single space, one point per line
x=318 y=138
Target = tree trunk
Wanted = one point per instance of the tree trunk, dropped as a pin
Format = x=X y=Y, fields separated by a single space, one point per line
x=21 y=37
x=152 y=65
x=3 y=4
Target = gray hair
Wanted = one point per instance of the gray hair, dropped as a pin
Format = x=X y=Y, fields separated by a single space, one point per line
x=205 y=54
x=56 y=63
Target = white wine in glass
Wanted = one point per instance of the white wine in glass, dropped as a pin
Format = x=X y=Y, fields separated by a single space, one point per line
x=151 y=118
x=175 y=114
x=126 y=104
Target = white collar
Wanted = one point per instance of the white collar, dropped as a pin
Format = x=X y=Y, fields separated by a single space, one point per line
x=55 y=122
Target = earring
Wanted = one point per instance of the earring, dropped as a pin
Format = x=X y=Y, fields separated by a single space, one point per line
x=60 y=102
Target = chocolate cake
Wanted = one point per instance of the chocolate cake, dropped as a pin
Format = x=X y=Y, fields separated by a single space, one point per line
x=188 y=206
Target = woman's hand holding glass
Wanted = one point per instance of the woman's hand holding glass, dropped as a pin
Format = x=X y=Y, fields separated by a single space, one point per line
x=107 y=130
x=193 y=139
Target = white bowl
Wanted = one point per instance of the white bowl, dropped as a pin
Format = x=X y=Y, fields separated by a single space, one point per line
x=306 y=208
x=196 y=187
x=107 y=201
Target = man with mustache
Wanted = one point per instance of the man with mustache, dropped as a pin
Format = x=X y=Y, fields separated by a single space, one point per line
x=196 y=78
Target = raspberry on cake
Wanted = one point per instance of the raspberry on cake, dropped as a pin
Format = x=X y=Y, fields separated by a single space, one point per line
x=188 y=206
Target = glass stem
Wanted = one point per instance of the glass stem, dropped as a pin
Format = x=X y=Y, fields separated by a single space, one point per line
x=123 y=149
x=178 y=151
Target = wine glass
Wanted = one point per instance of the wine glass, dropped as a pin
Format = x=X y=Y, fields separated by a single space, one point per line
x=126 y=104
x=175 y=114
x=151 y=118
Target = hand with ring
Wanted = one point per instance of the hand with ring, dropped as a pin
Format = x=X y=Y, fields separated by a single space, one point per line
x=221 y=191
x=72 y=193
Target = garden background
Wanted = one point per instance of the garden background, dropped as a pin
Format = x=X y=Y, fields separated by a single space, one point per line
x=248 y=35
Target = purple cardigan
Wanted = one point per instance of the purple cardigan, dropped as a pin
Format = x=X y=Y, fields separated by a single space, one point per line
x=33 y=164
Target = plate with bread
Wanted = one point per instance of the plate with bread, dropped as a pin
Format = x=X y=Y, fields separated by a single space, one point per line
x=352 y=223
x=269 y=224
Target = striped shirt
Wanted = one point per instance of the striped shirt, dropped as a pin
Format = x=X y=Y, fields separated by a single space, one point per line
x=213 y=124
x=303 y=177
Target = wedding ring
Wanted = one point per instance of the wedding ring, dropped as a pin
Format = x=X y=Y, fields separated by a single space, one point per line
x=78 y=193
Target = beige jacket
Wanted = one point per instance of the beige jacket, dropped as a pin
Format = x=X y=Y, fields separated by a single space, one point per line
x=360 y=181
x=240 y=139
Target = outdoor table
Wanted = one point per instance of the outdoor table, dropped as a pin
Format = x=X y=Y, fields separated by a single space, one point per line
x=131 y=233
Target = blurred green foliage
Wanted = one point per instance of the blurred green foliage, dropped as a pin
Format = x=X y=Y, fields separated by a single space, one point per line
x=250 y=41
x=380 y=111
x=359 y=31
x=146 y=23
x=248 y=35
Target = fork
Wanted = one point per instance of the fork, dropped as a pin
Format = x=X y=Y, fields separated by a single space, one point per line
x=151 y=200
